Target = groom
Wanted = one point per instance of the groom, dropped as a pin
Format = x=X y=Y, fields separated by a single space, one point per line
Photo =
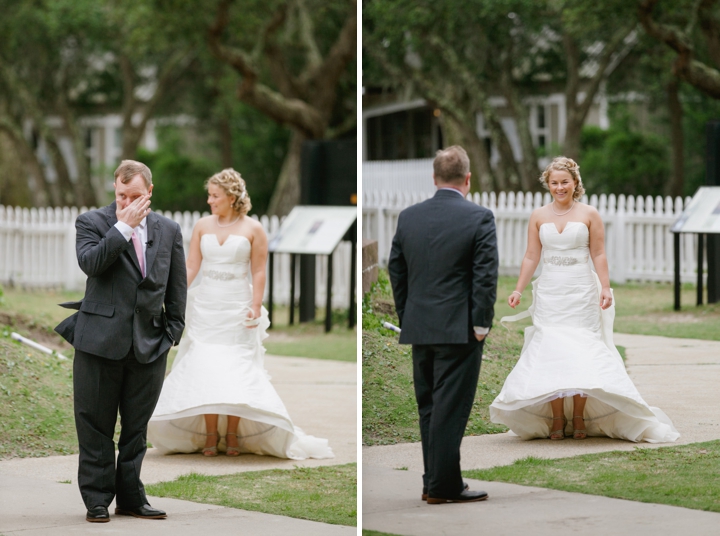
x=443 y=268
x=132 y=313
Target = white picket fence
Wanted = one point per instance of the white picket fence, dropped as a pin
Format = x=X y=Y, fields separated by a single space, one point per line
x=37 y=250
x=638 y=241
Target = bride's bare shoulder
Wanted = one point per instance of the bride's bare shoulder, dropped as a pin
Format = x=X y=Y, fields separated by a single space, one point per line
x=203 y=224
x=540 y=215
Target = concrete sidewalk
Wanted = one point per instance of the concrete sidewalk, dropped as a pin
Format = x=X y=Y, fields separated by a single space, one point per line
x=680 y=376
x=31 y=506
x=391 y=503
x=321 y=397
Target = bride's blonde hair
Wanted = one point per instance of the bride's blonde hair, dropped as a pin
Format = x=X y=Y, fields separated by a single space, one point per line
x=563 y=163
x=233 y=184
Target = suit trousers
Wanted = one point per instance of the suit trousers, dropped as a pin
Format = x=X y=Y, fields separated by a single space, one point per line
x=445 y=377
x=103 y=387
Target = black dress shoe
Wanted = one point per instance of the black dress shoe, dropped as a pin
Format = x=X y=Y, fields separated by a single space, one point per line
x=144 y=512
x=97 y=514
x=465 y=496
x=424 y=495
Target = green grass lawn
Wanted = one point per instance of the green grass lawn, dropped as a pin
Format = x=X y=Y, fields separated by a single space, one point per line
x=325 y=494
x=309 y=338
x=36 y=407
x=684 y=476
x=389 y=408
x=299 y=340
x=647 y=309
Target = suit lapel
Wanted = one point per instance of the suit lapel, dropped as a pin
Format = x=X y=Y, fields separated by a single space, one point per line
x=153 y=236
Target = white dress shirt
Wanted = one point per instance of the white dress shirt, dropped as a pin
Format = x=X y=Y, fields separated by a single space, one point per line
x=140 y=231
x=478 y=330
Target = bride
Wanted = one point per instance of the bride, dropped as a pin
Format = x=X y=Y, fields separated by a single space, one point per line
x=218 y=395
x=569 y=372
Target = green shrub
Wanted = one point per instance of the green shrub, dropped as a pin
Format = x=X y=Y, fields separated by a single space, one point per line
x=621 y=161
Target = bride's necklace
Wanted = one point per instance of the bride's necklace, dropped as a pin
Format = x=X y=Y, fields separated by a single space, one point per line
x=229 y=224
x=552 y=207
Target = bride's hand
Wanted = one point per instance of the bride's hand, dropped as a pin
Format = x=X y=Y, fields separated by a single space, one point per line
x=514 y=300
x=252 y=318
x=606 y=298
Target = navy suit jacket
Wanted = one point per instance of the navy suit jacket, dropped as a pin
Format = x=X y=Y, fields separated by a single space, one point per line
x=443 y=269
x=121 y=308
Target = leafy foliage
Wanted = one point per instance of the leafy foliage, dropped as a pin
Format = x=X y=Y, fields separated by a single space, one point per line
x=623 y=161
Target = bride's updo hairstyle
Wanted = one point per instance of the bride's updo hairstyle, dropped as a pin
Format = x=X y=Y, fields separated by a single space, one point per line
x=563 y=163
x=234 y=185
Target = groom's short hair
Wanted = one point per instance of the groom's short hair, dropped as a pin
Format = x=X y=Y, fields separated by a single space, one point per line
x=129 y=168
x=451 y=165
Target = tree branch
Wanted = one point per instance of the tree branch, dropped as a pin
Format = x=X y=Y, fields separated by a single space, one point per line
x=710 y=27
x=296 y=112
x=307 y=37
x=341 y=53
x=686 y=67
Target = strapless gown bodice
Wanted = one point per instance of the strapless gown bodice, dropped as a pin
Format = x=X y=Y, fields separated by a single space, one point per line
x=569 y=350
x=229 y=261
x=219 y=367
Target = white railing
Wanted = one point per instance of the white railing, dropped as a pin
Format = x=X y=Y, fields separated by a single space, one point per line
x=37 y=250
x=398 y=176
x=638 y=241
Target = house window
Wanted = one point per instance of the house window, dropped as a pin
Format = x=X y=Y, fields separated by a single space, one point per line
x=403 y=135
x=541 y=132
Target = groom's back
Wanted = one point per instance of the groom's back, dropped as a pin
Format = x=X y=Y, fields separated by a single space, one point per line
x=437 y=240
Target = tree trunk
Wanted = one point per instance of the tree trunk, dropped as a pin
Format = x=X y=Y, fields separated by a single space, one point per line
x=225 y=133
x=69 y=193
x=675 y=186
x=14 y=188
x=34 y=172
x=459 y=133
x=131 y=137
x=91 y=191
x=508 y=173
x=287 y=190
x=573 y=130
x=529 y=170
x=528 y=167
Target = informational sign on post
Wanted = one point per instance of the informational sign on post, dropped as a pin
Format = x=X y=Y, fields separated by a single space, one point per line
x=702 y=215
x=313 y=230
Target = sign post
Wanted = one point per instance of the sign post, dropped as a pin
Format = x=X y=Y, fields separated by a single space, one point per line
x=314 y=230
x=700 y=217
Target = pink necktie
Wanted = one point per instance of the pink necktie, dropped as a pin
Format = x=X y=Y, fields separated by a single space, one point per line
x=139 y=253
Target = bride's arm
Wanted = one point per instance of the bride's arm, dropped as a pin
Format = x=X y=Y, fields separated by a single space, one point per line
x=194 y=259
x=599 y=258
x=530 y=260
x=258 y=261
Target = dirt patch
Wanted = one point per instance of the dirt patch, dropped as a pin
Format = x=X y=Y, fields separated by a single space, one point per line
x=383 y=307
x=27 y=327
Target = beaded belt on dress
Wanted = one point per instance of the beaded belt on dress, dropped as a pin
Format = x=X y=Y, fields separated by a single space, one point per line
x=563 y=260
x=222 y=276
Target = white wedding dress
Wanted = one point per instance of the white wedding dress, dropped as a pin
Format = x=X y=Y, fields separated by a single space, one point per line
x=219 y=368
x=569 y=350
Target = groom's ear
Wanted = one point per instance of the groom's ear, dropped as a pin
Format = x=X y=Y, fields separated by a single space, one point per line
x=150 y=189
x=434 y=180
